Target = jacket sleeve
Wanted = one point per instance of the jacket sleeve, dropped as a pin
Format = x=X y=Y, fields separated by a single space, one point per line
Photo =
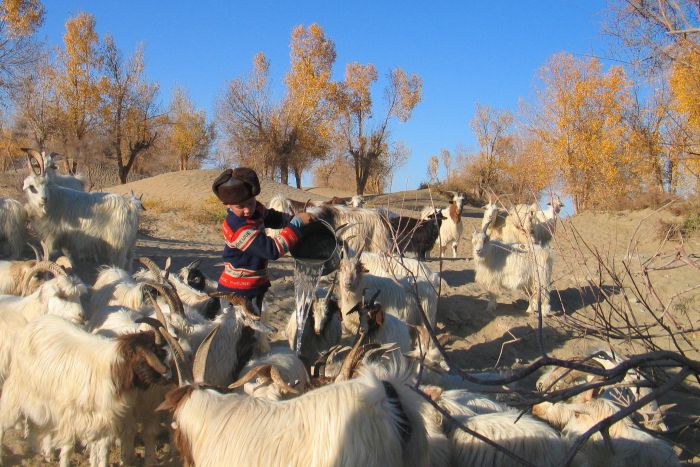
x=275 y=219
x=252 y=240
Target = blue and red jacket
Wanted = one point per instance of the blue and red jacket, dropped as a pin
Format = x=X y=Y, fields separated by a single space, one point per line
x=248 y=249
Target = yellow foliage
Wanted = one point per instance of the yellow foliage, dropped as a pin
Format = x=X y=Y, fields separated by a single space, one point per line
x=77 y=83
x=22 y=17
x=685 y=83
x=581 y=122
x=190 y=136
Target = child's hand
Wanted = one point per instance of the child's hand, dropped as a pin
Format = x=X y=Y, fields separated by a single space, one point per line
x=305 y=217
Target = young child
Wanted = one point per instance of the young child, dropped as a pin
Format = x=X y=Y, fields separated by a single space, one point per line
x=247 y=248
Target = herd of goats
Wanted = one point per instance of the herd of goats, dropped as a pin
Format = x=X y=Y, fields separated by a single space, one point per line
x=100 y=366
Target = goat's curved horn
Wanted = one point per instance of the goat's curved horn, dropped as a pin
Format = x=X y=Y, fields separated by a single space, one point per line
x=280 y=383
x=347 y=366
x=169 y=294
x=45 y=250
x=37 y=255
x=243 y=302
x=41 y=266
x=168 y=263
x=153 y=267
x=156 y=325
x=34 y=155
x=194 y=264
x=184 y=374
x=200 y=358
x=250 y=374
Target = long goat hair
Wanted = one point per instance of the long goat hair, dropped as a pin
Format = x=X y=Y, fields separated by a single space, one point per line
x=98 y=226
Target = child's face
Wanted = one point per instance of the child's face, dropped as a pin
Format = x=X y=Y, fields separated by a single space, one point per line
x=244 y=209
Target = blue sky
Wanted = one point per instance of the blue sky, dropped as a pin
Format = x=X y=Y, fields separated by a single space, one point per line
x=465 y=51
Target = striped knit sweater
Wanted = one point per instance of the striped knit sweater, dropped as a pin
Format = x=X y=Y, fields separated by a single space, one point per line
x=248 y=249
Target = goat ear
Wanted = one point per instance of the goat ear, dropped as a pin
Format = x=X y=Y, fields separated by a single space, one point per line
x=433 y=391
x=362 y=267
x=379 y=316
x=173 y=398
x=153 y=361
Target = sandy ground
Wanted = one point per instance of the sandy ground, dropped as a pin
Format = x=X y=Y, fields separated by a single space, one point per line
x=474 y=339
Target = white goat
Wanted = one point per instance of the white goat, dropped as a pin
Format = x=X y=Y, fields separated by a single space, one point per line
x=513 y=266
x=47 y=163
x=59 y=296
x=398 y=297
x=507 y=226
x=79 y=386
x=357 y=201
x=451 y=228
x=544 y=221
x=528 y=438
x=397 y=267
x=379 y=327
x=322 y=330
x=13 y=227
x=278 y=375
x=363 y=421
x=631 y=446
x=100 y=226
x=367 y=228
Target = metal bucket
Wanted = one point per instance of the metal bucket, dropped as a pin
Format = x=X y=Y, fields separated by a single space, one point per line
x=318 y=245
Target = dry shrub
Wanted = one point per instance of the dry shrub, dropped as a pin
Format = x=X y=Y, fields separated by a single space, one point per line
x=652 y=199
x=211 y=211
x=679 y=230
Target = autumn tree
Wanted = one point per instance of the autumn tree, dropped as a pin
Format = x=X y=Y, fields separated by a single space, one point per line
x=19 y=19
x=290 y=134
x=336 y=172
x=364 y=141
x=580 y=120
x=191 y=136
x=446 y=159
x=662 y=39
x=433 y=167
x=77 y=82
x=36 y=106
x=127 y=107
x=492 y=130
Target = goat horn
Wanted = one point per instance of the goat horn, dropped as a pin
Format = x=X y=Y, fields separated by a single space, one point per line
x=41 y=266
x=194 y=264
x=280 y=383
x=243 y=302
x=156 y=325
x=153 y=267
x=200 y=359
x=45 y=250
x=36 y=251
x=170 y=295
x=347 y=366
x=360 y=355
x=330 y=289
x=183 y=374
x=168 y=262
x=373 y=298
x=33 y=154
x=250 y=374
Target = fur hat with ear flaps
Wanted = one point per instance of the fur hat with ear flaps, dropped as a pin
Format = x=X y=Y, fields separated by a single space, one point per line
x=237 y=185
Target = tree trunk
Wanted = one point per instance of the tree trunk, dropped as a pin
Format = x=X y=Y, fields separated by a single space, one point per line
x=284 y=170
x=297 y=176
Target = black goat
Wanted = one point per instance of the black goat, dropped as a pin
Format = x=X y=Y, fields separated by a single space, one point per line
x=416 y=235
